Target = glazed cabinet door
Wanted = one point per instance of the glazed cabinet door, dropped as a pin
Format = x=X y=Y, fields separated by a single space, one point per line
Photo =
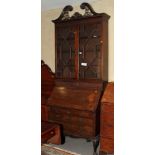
x=90 y=50
x=65 y=52
x=79 y=51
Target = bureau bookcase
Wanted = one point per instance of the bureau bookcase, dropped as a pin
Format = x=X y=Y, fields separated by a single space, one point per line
x=81 y=71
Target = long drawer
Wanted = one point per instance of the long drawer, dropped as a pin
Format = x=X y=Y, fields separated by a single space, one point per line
x=78 y=131
x=74 y=123
x=66 y=111
x=71 y=117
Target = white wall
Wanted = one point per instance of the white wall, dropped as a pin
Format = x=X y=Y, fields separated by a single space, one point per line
x=48 y=38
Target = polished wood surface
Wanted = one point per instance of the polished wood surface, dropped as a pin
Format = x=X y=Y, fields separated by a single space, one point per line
x=107 y=121
x=76 y=94
x=75 y=105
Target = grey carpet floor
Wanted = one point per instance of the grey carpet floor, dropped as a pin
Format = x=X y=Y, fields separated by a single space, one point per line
x=78 y=145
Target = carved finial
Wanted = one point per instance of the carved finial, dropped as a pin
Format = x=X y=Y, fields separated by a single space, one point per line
x=65 y=13
x=89 y=11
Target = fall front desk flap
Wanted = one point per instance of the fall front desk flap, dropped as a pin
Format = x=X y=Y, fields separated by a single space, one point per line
x=76 y=95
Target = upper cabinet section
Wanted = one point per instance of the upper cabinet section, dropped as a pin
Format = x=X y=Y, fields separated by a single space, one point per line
x=81 y=44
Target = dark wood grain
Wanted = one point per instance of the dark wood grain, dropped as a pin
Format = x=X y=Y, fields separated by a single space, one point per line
x=76 y=107
x=107 y=121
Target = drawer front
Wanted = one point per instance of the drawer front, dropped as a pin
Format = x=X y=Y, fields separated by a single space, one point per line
x=65 y=111
x=79 y=121
x=78 y=131
x=107 y=145
x=47 y=135
x=77 y=124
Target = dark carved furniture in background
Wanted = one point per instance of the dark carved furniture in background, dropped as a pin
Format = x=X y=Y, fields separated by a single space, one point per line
x=47 y=84
x=107 y=121
x=50 y=132
x=47 y=80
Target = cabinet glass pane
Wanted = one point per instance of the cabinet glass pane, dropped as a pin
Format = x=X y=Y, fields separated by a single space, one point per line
x=89 y=51
x=65 y=53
